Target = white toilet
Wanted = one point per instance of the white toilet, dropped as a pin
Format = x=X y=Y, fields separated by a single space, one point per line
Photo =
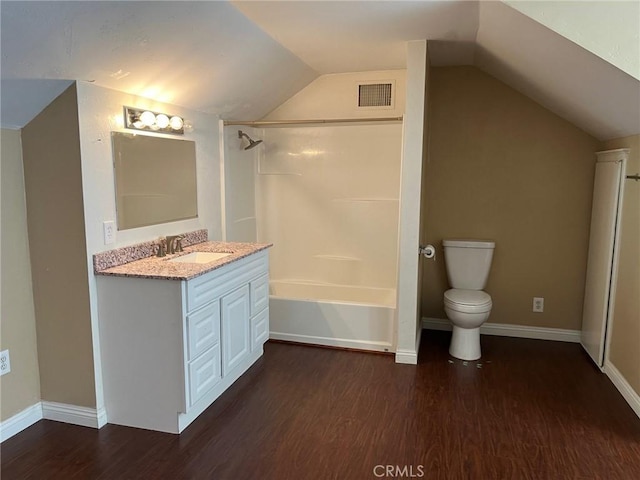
x=468 y=263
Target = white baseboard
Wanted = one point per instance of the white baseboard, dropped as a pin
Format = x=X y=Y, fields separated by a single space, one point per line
x=20 y=421
x=626 y=390
x=407 y=357
x=506 y=330
x=331 y=342
x=60 y=412
x=101 y=417
x=74 y=414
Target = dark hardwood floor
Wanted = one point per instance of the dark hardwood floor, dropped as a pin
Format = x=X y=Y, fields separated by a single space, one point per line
x=529 y=409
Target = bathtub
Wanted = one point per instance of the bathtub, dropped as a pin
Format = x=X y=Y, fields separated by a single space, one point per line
x=332 y=315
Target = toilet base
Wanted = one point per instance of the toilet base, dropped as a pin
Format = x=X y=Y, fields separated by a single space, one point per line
x=465 y=343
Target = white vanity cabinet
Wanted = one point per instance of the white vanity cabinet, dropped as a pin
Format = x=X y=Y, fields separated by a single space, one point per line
x=169 y=348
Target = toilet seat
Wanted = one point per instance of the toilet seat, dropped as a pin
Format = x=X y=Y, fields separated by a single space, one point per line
x=467 y=301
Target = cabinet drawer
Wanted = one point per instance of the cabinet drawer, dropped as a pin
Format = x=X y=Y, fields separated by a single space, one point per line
x=259 y=294
x=259 y=329
x=204 y=373
x=212 y=285
x=203 y=329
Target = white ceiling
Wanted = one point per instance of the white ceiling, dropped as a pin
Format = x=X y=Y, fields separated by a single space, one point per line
x=202 y=55
x=358 y=36
x=560 y=75
x=608 y=29
x=242 y=59
x=568 y=79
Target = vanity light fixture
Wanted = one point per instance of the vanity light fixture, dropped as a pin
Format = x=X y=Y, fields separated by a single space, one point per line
x=148 y=120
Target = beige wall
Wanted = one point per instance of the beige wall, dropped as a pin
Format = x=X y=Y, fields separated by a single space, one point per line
x=423 y=183
x=624 y=349
x=503 y=167
x=21 y=387
x=51 y=151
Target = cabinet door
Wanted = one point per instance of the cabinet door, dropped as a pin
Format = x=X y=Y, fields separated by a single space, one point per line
x=235 y=308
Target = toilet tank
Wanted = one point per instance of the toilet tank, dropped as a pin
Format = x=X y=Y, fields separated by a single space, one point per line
x=468 y=262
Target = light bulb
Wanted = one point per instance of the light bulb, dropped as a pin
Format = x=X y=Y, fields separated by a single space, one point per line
x=138 y=124
x=148 y=118
x=162 y=120
x=176 y=123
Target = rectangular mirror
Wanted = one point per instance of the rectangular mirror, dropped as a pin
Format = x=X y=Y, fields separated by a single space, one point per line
x=155 y=179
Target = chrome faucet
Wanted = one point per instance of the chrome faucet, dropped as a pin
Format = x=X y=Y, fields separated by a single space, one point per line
x=162 y=247
x=174 y=243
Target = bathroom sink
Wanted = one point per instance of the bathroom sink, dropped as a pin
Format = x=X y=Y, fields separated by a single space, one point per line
x=200 y=257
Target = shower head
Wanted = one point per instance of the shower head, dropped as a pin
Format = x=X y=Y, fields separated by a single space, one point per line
x=252 y=143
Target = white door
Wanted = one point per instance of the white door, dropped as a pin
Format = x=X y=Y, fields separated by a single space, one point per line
x=236 y=345
x=598 y=294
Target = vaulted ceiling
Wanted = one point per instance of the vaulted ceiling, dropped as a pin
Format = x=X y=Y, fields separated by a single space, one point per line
x=242 y=59
x=203 y=55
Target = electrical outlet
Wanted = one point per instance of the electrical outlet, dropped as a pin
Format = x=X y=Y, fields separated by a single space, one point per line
x=5 y=362
x=538 y=304
x=109 y=230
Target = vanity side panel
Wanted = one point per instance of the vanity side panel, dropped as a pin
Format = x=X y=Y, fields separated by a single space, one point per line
x=142 y=342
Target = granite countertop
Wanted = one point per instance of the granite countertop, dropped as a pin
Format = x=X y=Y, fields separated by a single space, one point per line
x=162 y=268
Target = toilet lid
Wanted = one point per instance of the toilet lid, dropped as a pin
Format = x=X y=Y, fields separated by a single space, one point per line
x=475 y=298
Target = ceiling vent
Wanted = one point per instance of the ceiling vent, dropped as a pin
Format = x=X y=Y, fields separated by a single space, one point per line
x=376 y=95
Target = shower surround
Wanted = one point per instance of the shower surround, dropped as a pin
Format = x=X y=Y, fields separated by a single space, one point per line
x=326 y=196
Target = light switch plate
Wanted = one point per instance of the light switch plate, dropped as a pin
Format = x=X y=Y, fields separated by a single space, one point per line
x=109 y=231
